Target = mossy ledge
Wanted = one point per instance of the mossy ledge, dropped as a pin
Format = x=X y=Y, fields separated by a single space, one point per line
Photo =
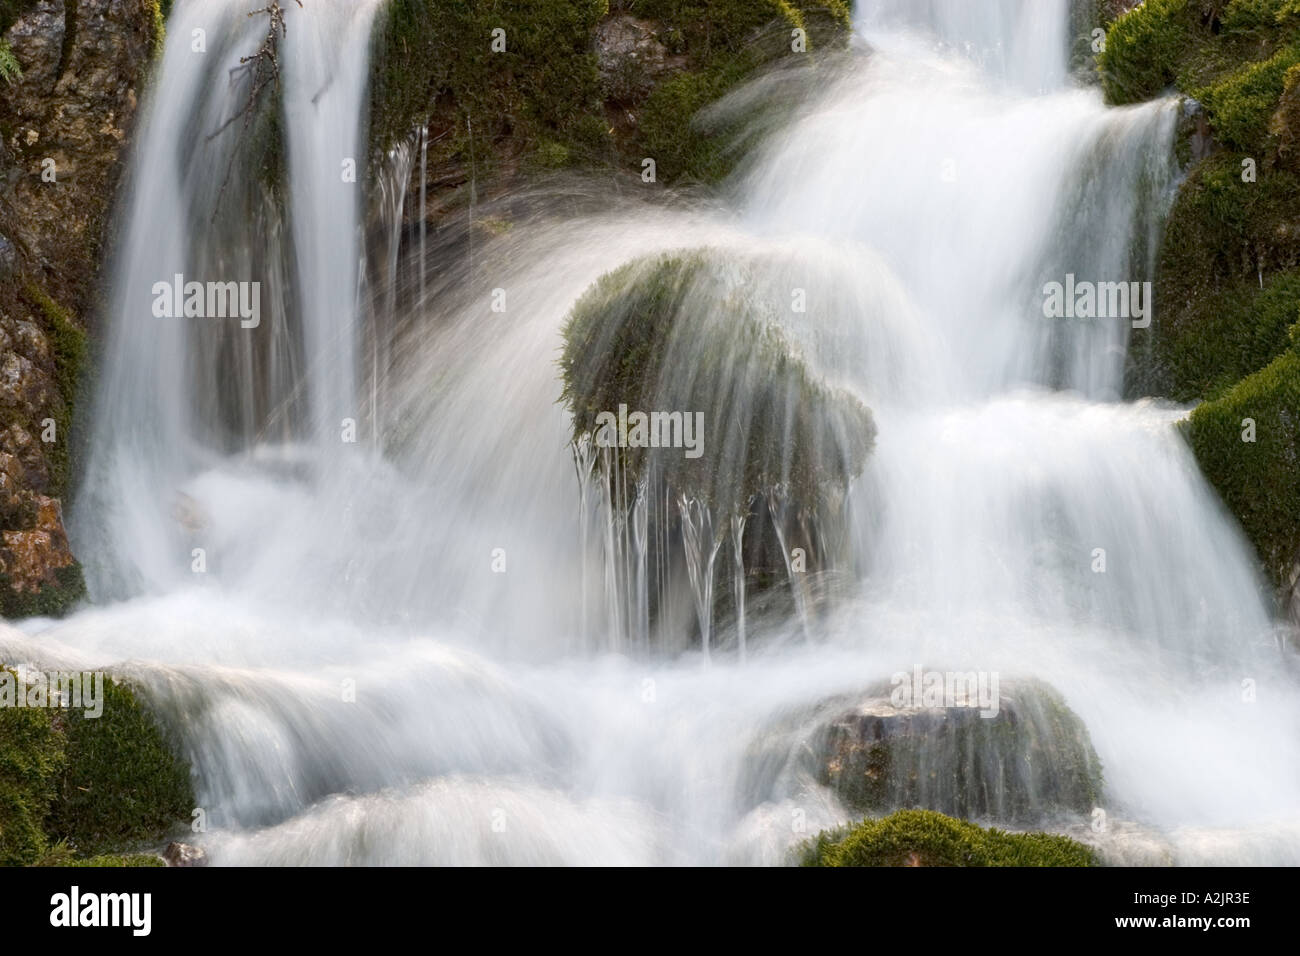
x=540 y=102
x=1259 y=479
x=926 y=838
x=77 y=790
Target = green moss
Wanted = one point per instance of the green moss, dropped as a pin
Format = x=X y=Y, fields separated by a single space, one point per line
x=1227 y=283
x=10 y=69
x=1194 y=45
x=31 y=758
x=433 y=62
x=1144 y=48
x=1259 y=481
x=159 y=10
x=1225 y=336
x=1261 y=15
x=1242 y=104
x=727 y=42
x=123 y=783
x=925 y=838
x=436 y=59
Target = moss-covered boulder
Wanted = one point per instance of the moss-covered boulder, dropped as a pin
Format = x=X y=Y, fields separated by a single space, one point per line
x=704 y=418
x=75 y=787
x=1248 y=444
x=32 y=756
x=1029 y=760
x=925 y=838
x=700 y=332
x=123 y=783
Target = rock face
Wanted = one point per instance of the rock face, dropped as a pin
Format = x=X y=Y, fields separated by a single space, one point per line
x=63 y=125
x=1030 y=761
x=630 y=57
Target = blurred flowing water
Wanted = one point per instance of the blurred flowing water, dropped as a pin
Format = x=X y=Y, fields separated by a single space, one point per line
x=353 y=681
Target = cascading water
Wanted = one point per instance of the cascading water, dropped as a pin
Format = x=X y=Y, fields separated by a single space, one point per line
x=407 y=649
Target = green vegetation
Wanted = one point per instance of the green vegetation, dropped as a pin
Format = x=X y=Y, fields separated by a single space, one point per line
x=688 y=331
x=10 y=69
x=32 y=755
x=76 y=790
x=543 y=95
x=119 y=861
x=726 y=43
x=926 y=838
x=1143 y=50
x=1195 y=45
x=436 y=60
x=123 y=783
x=1260 y=480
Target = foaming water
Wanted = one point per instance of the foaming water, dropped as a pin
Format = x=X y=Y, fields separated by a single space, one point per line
x=354 y=681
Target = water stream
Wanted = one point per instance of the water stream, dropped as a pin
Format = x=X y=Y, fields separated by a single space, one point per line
x=399 y=649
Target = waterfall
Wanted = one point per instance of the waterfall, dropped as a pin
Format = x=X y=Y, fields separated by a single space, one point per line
x=399 y=648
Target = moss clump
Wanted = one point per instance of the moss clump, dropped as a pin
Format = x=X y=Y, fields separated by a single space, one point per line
x=1260 y=480
x=10 y=69
x=31 y=757
x=1242 y=105
x=1144 y=49
x=726 y=42
x=436 y=59
x=1195 y=45
x=926 y=838
x=696 y=332
x=123 y=783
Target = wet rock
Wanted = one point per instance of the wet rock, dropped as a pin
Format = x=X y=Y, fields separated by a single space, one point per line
x=29 y=559
x=8 y=258
x=183 y=854
x=1030 y=761
x=630 y=57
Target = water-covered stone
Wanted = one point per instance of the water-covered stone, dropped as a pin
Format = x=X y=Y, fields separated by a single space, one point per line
x=1029 y=759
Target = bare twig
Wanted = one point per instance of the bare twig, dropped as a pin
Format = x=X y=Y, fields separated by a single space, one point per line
x=265 y=68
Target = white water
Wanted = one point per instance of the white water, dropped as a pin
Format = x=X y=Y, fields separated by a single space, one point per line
x=490 y=725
